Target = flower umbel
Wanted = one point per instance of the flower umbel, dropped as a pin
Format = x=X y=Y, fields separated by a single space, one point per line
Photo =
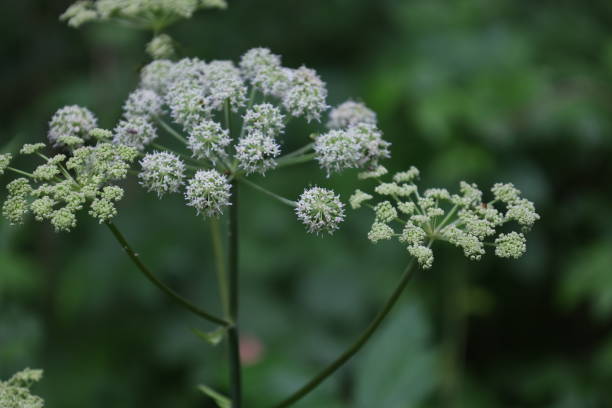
x=463 y=219
x=320 y=210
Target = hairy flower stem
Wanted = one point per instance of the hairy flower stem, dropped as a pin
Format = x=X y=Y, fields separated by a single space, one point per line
x=233 y=333
x=175 y=296
x=357 y=345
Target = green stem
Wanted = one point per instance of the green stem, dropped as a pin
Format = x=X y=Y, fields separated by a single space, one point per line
x=23 y=173
x=233 y=332
x=295 y=160
x=297 y=152
x=357 y=345
x=252 y=95
x=269 y=193
x=175 y=296
x=170 y=130
x=215 y=230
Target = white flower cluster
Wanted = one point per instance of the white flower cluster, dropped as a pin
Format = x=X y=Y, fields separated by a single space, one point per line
x=5 y=160
x=349 y=114
x=463 y=219
x=62 y=186
x=15 y=392
x=162 y=172
x=208 y=192
x=71 y=125
x=208 y=140
x=359 y=146
x=320 y=210
x=149 y=14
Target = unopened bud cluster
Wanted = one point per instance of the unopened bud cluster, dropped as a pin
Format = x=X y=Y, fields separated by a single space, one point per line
x=15 y=392
x=418 y=219
x=79 y=177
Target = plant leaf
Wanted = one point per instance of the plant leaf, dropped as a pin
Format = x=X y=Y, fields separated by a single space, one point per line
x=212 y=337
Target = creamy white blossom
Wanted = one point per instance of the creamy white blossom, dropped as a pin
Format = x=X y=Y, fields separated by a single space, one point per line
x=161 y=46
x=463 y=219
x=349 y=114
x=72 y=121
x=15 y=392
x=337 y=150
x=157 y=76
x=320 y=210
x=208 y=192
x=136 y=132
x=143 y=102
x=5 y=160
x=223 y=82
x=256 y=153
x=265 y=118
x=162 y=172
x=511 y=245
x=188 y=104
x=306 y=95
x=208 y=140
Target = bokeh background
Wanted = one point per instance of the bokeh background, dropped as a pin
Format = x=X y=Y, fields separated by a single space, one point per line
x=477 y=90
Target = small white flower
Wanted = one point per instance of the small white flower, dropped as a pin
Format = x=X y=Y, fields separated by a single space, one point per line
x=74 y=121
x=263 y=69
x=423 y=255
x=379 y=171
x=522 y=211
x=511 y=245
x=143 y=102
x=349 y=114
x=136 y=132
x=320 y=210
x=223 y=82
x=188 y=104
x=256 y=153
x=306 y=95
x=208 y=140
x=380 y=232
x=208 y=192
x=156 y=76
x=406 y=176
x=358 y=198
x=413 y=235
x=264 y=118
x=162 y=172
x=5 y=160
x=372 y=146
x=337 y=150
x=161 y=46
x=385 y=212
x=505 y=192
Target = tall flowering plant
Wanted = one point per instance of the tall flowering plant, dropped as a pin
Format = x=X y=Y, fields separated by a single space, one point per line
x=229 y=119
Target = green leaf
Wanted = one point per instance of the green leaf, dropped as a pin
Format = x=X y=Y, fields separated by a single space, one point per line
x=398 y=369
x=221 y=400
x=213 y=337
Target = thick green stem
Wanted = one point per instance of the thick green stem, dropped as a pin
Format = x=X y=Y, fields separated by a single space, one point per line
x=357 y=345
x=175 y=296
x=233 y=332
x=215 y=230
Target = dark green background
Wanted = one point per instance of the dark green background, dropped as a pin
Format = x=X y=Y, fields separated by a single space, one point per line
x=477 y=90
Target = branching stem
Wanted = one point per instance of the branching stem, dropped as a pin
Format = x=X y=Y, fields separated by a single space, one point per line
x=163 y=287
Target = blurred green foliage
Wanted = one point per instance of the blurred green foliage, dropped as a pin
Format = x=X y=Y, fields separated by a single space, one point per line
x=483 y=90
